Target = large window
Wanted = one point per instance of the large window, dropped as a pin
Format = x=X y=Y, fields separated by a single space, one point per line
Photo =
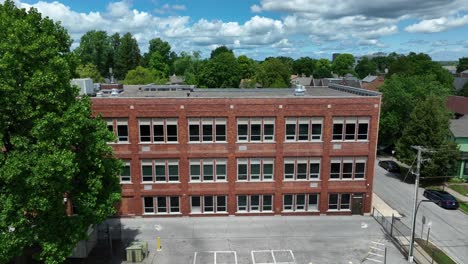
x=303 y=129
x=207 y=129
x=255 y=129
x=300 y=202
x=350 y=128
x=348 y=168
x=125 y=176
x=208 y=170
x=339 y=201
x=159 y=171
x=208 y=204
x=254 y=203
x=161 y=205
x=255 y=169
x=297 y=169
x=120 y=127
x=158 y=130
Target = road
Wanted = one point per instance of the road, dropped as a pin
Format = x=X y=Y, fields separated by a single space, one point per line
x=449 y=228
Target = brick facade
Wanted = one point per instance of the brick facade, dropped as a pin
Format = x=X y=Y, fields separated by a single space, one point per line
x=133 y=109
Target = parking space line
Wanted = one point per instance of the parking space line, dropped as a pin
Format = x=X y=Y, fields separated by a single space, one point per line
x=195 y=258
x=273 y=256
x=215 y=255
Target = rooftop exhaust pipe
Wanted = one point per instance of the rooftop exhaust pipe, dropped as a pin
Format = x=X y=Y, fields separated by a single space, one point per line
x=299 y=90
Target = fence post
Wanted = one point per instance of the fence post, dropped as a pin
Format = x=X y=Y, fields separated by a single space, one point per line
x=373 y=210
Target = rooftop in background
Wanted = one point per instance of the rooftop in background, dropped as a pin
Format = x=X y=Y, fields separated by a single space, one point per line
x=184 y=91
x=459 y=127
x=457 y=104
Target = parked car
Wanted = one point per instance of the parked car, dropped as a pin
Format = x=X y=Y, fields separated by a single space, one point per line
x=390 y=165
x=441 y=198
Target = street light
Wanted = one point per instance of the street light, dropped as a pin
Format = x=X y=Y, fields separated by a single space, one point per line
x=411 y=251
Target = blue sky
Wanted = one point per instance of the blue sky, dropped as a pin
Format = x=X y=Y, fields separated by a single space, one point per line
x=261 y=28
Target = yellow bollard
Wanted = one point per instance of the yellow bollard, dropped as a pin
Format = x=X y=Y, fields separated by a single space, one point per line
x=159 y=244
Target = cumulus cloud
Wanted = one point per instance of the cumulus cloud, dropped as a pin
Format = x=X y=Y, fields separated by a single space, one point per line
x=437 y=24
x=167 y=8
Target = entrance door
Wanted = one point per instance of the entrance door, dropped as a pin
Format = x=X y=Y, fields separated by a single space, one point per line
x=357 y=204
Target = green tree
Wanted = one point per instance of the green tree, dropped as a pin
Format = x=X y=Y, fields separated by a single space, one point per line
x=127 y=56
x=220 y=50
x=95 y=48
x=420 y=64
x=400 y=95
x=464 y=90
x=89 y=71
x=322 y=69
x=365 y=67
x=50 y=145
x=246 y=67
x=114 y=43
x=462 y=64
x=221 y=71
x=304 y=65
x=343 y=64
x=428 y=126
x=273 y=73
x=142 y=75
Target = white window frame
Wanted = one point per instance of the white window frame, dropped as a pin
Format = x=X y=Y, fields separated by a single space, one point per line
x=305 y=206
x=147 y=163
x=339 y=204
x=301 y=160
x=262 y=121
x=153 y=211
x=357 y=121
x=165 y=164
x=200 y=122
x=353 y=161
x=255 y=208
x=126 y=164
x=297 y=122
x=214 y=163
x=362 y=121
x=254 y=161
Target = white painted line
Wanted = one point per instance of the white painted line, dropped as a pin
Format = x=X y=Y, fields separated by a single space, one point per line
x=195 y=258
x=273 y=256
x=214 y=257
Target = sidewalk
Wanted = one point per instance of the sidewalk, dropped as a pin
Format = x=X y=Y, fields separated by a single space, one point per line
x=455 y=194
x=383 y=207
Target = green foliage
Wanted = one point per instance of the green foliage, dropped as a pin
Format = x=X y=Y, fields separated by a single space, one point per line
x=127 y=56
x=159 y=57
x=400 y=95
x=343 y=64
x=304 y=65
x=365 y=67
x=462 y=64
x=95 y=48
x=247 y=67
x=273 y=73
x=142 y=75
x=428 y=126
x=322 y=69
x=222 y=71
x=420 y=64
x=220 y=50
x=51 y=147
x=89 y=71
x=464 y=90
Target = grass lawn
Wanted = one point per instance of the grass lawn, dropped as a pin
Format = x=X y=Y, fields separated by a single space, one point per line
x=438 y=255
x=463 y=207
x=461 y=189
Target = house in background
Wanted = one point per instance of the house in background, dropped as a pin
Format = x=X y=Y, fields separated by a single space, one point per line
x=372 y=82
x=176 y=80
x=459 y=128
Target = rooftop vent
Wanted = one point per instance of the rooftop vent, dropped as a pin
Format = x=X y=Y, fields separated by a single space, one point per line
x=115 y=92
x=299 y=90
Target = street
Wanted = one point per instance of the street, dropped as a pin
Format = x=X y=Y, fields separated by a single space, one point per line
x=449 y=228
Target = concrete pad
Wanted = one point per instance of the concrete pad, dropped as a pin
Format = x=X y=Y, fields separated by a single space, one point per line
x=383 y=207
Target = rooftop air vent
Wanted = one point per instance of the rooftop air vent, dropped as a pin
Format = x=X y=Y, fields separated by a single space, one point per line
x=299 y=90
x=115 y=92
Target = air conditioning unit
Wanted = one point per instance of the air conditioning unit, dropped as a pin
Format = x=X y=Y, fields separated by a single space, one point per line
x=137 y=251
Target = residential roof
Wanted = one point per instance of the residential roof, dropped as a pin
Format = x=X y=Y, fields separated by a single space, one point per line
x=333 y=90
x=457 y=104
x=174 y=79
x=375 y=84
x=306 y=81
x=459 y=127
x=459 y=82
x=369 y=78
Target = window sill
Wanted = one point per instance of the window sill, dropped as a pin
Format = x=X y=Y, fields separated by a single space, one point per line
x=162 y=213
x=210 y=213
x=309 y=180
x=208 y=181
x=157 y=143
x=207 y=142
x=254 y=212
x=255 y=142
x=338 y=210
x=119 y=143
x=270 y=181
x=161 y=182
x=126 y=183
x=346 y=180
x=350 y=141
x=300 y=211
x=303 y=141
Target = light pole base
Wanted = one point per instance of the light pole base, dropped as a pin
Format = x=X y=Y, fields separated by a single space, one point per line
x=410 y=259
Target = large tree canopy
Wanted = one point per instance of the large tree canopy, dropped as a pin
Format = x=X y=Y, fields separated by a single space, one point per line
x=343 y=64
x=50 y=147
x=127 y=56
x=95 y=48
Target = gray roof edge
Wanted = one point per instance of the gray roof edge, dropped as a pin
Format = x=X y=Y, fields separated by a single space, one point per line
x=353 y=90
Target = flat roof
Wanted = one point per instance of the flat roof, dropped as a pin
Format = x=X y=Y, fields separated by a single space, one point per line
x=333 y=90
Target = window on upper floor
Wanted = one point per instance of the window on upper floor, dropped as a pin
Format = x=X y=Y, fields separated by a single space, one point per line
x=255 y=169
x=256 y=129
x=119 y=126
x=297 y=169
x=350 y=129
x=208 y=170
x=125 y=176
x=303 y=129
x=207 y=130
x=159 y=171
x=348 y=168
x=158 y=130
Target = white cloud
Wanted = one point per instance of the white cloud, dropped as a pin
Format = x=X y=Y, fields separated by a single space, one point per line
x=256 y=9
x=167 y=8
x=437 y=24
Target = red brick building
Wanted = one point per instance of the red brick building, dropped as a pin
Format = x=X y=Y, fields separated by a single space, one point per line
x=243 y=152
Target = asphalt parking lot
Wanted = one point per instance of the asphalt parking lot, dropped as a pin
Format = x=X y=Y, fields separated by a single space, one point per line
x=258 y=240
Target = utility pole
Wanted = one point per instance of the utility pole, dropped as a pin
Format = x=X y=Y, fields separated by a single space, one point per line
x=416 y=187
